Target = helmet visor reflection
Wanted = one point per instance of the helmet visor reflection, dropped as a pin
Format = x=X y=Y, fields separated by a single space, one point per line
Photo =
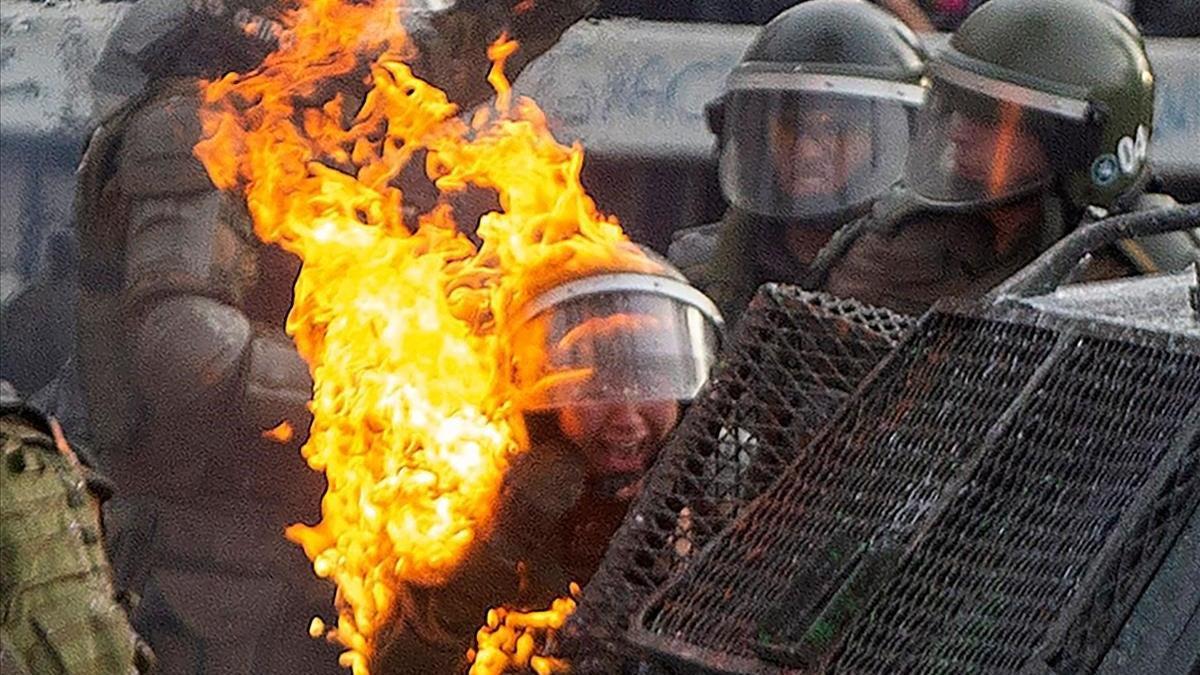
x=976 y=145
x=614 y=347
x=808 y=154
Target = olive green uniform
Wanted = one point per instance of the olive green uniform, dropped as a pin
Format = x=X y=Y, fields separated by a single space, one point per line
x=845 y=77
x=58 y=612
x=1070 y=76
x=730 y=259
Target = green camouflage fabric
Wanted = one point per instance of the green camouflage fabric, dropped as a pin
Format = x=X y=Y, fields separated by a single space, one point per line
x=59 y=614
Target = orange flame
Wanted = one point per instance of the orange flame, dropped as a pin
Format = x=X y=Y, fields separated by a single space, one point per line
x=282 y=433
x=401 y=326
x=1007 y=130
x=510 y=640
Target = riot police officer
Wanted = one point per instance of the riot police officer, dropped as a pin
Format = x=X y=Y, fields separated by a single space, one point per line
x=1037 y=111
x=604 y=365
x=58 y=612
x=813 y=127
x=182 y=353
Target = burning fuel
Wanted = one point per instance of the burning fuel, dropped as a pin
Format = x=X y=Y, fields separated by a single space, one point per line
x=513 y=641
x=400 y=323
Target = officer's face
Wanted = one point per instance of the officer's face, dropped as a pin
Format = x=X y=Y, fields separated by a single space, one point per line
x=619 y=438
x=996 y=152
x=816 y=151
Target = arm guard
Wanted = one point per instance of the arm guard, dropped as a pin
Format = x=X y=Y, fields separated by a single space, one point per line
x=453 y=41
x=191 y=259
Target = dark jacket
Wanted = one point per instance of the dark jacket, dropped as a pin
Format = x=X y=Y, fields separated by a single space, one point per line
x=908 y=267
x=899 y=256
x=907 y=263
x=730 y=259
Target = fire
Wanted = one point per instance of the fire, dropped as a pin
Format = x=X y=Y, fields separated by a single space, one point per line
x=282 y=433
x=510 y=640
x=401 y=323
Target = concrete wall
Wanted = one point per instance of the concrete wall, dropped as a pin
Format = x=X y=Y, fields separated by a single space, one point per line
x=46 y=55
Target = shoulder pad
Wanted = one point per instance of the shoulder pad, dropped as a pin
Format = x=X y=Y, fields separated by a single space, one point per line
x=156 y=152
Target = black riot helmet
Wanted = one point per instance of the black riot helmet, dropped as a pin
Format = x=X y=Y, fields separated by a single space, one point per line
x=1032 y=95
x=814 y=122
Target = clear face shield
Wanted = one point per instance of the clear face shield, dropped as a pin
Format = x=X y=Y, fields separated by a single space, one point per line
x=614 y=338
x=801 y=146
x=982 y=141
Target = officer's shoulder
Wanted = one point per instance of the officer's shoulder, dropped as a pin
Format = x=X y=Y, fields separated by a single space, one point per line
x=694 y=245
x=547 y=464
x=157 y=139
x=171 y=110
x=25 y=428
x=548 y=480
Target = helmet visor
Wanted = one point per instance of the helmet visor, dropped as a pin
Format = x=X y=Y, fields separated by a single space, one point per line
x=980 y=141
x=623 y=345
x=814 y=150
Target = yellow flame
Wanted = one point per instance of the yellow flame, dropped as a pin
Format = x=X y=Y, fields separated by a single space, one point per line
x=400 y=326
x=510 y=640
x=282 y=433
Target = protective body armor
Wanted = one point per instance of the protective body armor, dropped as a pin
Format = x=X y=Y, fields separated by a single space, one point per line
x=728 y=260
x=905 y=257
x=906 y=262
x=59 y=612
x=184 y=364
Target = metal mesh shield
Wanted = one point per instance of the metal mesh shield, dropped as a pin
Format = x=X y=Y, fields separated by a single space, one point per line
x=981 y=589
x=794 y=359
x=995 y=495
